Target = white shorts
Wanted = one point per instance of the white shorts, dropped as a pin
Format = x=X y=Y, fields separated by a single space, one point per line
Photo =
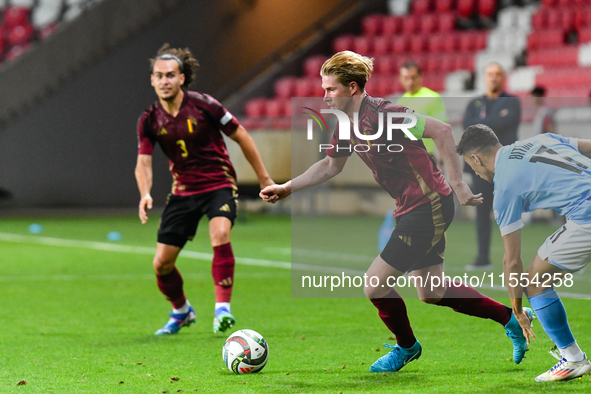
x=569 y=247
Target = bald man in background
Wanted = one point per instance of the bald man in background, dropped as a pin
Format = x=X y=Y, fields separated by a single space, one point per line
x=502 y=113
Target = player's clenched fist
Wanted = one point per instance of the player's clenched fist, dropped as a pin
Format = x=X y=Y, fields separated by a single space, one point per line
x=275 y=192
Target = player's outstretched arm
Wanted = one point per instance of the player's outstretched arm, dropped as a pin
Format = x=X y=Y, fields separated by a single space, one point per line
x=319 y=172
x=585 y=147
x=443 y=136
x=251 y=153
x=513 y=271
x=143 y=176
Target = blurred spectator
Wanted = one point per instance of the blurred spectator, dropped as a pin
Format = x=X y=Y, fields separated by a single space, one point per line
x=501 y=112
x=429 y=103
x=543 y=120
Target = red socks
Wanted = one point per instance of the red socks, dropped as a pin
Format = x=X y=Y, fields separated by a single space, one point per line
x=222 y=270
x=171 y=285
x=469 y=301
x=392 y=310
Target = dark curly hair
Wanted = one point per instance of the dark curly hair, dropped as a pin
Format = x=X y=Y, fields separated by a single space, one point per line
x=188 y=64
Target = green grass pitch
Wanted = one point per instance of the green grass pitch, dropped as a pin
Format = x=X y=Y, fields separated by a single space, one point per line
x=78 y=316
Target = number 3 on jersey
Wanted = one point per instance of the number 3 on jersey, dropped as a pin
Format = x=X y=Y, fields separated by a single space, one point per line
x=183 y=146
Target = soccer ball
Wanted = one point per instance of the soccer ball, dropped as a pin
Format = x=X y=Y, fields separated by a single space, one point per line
x=245 y=351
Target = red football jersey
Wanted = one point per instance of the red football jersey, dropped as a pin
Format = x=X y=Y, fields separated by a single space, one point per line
x=409 y=176
x=192 y=141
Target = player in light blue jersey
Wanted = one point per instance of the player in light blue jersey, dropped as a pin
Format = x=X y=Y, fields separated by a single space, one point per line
x=547 y=171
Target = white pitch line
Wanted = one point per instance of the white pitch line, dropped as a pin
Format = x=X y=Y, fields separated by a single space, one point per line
x=71 y=243
x=109 y=247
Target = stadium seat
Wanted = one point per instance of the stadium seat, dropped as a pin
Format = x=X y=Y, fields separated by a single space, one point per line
x=567 y=18
x=420 y=7
x=434 y=81
x=417 y=43
x=399 y=45
x=538 y=20
x=343 y=43
x=558 y=57
x=448 y=63
x=480 y=40
x=281 y=123
x=450 y=42
x=429 y=23
x=255 y=107
x=20 y=35
x=285 y=87
x=363 y=45
x=371 y=25
x=585 y=35
x=545 y=39
x=313 y=64
x=447 y=22
x=465 y=8
x=443 y=6
x=385 y=65
x=275 y=108
x=548 y=3
x=487 y=8
x=466 y=42
x=381 y=45
x=433 y=63
x=464 y=61
x=435 y=43
x=410 y=24
x=391 y=25
x=15 y=16
x=303 y=88
x=582 y=18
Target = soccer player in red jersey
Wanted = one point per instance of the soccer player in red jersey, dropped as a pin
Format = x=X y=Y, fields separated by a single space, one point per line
x=424 y=202
x=188 y=126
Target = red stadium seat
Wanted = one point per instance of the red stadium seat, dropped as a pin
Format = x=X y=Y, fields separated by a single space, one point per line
x=553 y=18
x=585 y=35
x=399 y=45
x=312 y=65
x=417 y=44
x=465 y=61
x=385 y=65
x=567 y=19
x=435 y=43
x=275 y=108
x=545 y=39
x=448 y=63
x=285 y=87
x=391 y=25
x=434 y=81
x=558 y=57
x=443 y=5
x=281 y=123
x=287 y=107
x=429 y=23
x=480 y=40
x=450 y=42
x=15 y=16
x=381 y=45
x=549 y=3
x=487 y=8
x=538 y=20
x=466 y=42
x=20 y=35
x=433 y=64
x=372 y=24
x=465 y=8
x=582 y=17
x=255 y=107
x=363 y=45
x=410 y=24
x=447 y=22
x=303 y=88
x=343 y=43
x=420 y=7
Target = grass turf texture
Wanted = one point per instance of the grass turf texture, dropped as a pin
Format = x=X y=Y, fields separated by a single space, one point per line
x=77 y=320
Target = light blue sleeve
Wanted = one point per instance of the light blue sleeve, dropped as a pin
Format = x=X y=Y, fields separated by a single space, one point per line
x=508 y=208
x=574 y=142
